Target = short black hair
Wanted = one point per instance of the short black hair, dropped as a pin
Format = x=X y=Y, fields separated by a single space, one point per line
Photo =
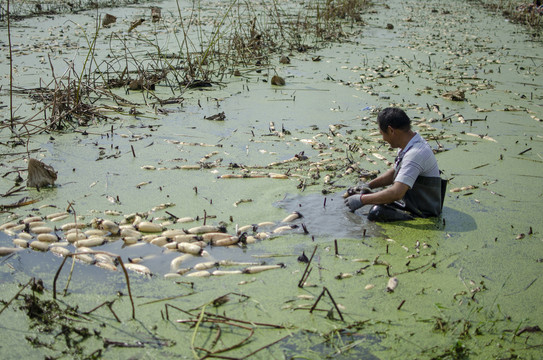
x=395 y=118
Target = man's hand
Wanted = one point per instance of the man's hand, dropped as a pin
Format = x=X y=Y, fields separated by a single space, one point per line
x=359 y=189
x=354 y=202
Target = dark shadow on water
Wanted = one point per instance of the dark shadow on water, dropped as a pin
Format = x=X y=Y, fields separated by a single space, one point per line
x=457 y=221
x=332 y=218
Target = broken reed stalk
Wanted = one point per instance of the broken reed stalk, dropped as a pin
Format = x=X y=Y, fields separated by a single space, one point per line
x=185 y=36
x=240 y=343
x=96 y=252
x=69 y=276
x=70 y=206
x=176 y=308
x=214 y=39
x=109 y=304
x=166 y=299
x=221 y=319
x=245 y=321
x=217 y=337
x=324 y=289
x=335 y=305
x=128 y=286
x=198 y=322
x=316 y=302
x=97 y=307
x=11 y=118
x=214 y=321
x=90 y=53
x=265 y=347
x=302 y=280
x=110 y=307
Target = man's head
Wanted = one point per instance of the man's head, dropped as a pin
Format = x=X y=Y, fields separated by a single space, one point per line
x=395 y=118
x=394 y=126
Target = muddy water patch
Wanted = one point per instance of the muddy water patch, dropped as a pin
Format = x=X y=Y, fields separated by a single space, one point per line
x=327 y=216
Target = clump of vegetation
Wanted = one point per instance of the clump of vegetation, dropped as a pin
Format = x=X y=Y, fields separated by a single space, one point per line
x=29 y=8
x=525 y=12
x=344 y=9
x=50 y=318
x=245 y=37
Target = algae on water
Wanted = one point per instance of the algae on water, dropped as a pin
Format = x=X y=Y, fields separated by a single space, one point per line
x=468 y=284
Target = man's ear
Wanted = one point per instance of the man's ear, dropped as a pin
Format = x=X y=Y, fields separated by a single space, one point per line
x=390 y=130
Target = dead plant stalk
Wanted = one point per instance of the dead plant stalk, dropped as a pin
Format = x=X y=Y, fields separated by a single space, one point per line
x=11 y=118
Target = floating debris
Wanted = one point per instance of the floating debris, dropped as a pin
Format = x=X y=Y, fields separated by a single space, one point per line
x=294 y=216
x=277 y=80
x=392 y=284
x=260 y=268
x=217 y=117
x=303 y=258
x=142 y=269
x=40 y=175
x=108 y=20
x=8 y=251
x=241 y=201
x=457 y=95
x=135 y=24
x=155 y=14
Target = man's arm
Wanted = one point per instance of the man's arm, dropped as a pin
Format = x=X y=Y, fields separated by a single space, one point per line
x=386 y=196
x=383 y=180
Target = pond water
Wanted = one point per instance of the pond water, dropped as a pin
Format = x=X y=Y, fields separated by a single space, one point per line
x=468 y=280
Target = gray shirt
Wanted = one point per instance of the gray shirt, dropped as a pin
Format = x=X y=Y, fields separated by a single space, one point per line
x=416 y=159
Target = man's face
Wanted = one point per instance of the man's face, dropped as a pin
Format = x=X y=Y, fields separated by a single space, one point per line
x=388 y=135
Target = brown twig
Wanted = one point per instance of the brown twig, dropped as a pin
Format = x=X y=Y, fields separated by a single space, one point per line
x=217 y=337
x=97 y=307
x=334 y=302
x=128 y=286
x=245 y=322
x=325 y=290
x=97 y=252
x=264 y=347
x=121 y=344
x=56 y=277
x=13 y=190
x=212 y=353
x=11 y=117
x=316 y=302
x=303 y=279
x=175 y=307
x=110 y=306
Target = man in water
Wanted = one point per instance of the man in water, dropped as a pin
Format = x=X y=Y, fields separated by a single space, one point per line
x=416 y=185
